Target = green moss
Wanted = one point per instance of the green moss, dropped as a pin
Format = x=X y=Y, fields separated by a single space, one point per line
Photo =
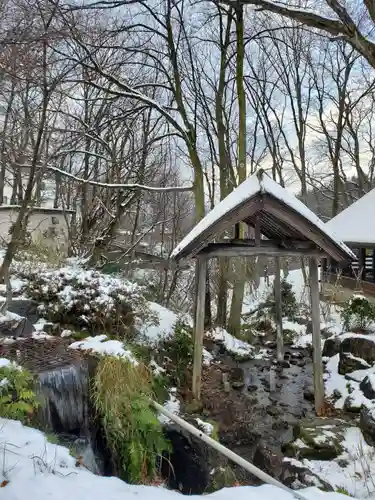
x=52 y=438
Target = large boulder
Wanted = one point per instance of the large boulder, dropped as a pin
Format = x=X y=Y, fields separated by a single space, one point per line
x=367 y=386
x=268 y=459
x=331 y=347
x=359 y=347
x=27 y=308
x=367 y=424
x=317 y=439
x=12 y=325
x=349 y=363
x=293 y=474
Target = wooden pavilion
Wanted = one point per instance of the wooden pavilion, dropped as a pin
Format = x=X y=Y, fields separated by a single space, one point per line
x=283 y=226
x=356 y=227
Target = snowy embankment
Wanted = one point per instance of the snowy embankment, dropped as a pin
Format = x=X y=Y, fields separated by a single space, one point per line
x=31 y=467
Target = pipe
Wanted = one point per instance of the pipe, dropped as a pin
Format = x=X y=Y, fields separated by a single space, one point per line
x=226 y=452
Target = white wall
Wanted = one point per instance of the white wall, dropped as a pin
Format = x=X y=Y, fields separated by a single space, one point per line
x=47 y=194
x=42 y=227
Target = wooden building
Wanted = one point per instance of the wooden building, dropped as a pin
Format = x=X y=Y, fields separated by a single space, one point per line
x=283 y=226
x=356 y=227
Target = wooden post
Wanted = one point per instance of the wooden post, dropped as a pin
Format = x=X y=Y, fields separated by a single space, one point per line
x=362 y=264
x=279 y=312
x=199 y=325
x=316 y=340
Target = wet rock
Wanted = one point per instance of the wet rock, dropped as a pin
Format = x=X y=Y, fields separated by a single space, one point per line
x=297 y=355
x=336 y=394
x=367 y=386
x=252 y=388
x=287 y=356
x=301 y=363
x=331 y=347
x=280 y=425
x=285 y=364
x=294 y=361
x=27 y=308
x=349 y=363
x=359 y=347
x=273 y=411
x=16 y=327
x=268 y=459
x=292 y=474
x=238 y=385
x=367 y=424
x=308 y=394
x=283 y=376
x=237 y=374
x=317 y=439
x=190 y=463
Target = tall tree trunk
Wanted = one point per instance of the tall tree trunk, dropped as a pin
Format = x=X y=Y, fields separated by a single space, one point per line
x=234 y=324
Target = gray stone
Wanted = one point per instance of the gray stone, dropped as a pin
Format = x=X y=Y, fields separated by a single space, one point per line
x=268 y=459
x=350 y=363
x=359 y=347
x=273 y=411
x=336 y=394
x=237 y=374
x=367 y=424
x=16 y=327
x=308 y=394
x=293 y=474
x=238 y=385
x=27 y=308
x=367 y=388
x=252 y=388
x=317 y=438
x=331 y=347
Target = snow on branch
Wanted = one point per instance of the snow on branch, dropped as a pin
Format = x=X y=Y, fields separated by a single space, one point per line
x=167 y=189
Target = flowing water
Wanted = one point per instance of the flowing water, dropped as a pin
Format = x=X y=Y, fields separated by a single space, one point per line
x=64 y=411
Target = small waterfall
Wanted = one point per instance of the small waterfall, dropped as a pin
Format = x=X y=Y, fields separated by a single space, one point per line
x=64 y=391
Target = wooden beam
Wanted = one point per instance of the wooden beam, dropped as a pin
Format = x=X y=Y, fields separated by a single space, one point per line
x=279 y=313
x=293 y=219
x=199 y=326
x=257 y=229
x=316 y=340
x=285 y=244
x=213 y=250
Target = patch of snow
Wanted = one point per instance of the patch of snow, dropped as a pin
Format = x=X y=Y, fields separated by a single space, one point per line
x=172 y=404
x=39 y=325
x=43 y=471
x=207 y=357
x=9 y=316
x=156 y=369
x=206 y=427
x=100 y=345
x=231 y=344
x=353 y=470
x=6 y=363
x=167 y=320
x=66 y=333
x=41 y=335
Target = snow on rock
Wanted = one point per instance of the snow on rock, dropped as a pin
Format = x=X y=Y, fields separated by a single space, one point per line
x=6 y=363
x=172 y=404
x=231 y=344
x=206 y=427
x=353 y=470
x=29 y=463
x=100 y=345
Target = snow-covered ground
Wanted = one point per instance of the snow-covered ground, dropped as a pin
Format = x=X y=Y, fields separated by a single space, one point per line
x=33 y=468
x=353 y=470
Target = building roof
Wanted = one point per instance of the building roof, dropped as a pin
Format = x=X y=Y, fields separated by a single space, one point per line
x=45 y=210
x=356 y=224
x=281 y=216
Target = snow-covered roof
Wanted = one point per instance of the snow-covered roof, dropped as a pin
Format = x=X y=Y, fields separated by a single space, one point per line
x=356 y=224
x=259 y=184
